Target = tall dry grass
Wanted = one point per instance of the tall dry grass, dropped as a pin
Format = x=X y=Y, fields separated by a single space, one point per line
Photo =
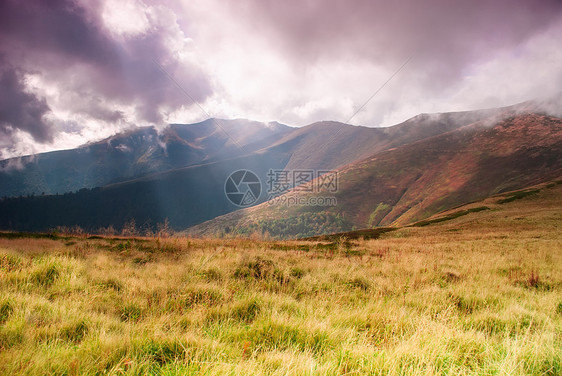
x=481 y=294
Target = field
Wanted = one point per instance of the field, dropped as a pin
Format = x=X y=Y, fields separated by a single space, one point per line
x=479 y=293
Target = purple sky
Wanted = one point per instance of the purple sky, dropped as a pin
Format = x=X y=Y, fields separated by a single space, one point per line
x=77 y=71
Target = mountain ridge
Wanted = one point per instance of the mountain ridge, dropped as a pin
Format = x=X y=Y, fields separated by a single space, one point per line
x=410 y=182
x=191 y=193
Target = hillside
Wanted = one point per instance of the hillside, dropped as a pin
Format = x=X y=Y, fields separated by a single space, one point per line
x=328 y=144
x=479 y=294
x=513 y=209
x=414 y=181
x=134 y=154
x=388 y=175
x=184 y=196
x=144 y=151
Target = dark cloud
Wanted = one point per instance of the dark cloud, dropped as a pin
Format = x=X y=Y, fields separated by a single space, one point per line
x=60 y=28
x=20 y=109
x=94 y=71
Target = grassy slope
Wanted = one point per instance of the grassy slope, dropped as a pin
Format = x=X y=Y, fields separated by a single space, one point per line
x=415 y=181
x=133 y=154
x=477 y=294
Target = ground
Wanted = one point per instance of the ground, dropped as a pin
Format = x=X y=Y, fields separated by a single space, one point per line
x=480 y=293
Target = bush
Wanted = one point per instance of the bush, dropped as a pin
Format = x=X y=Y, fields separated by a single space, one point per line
x=212 y=274
x=162 y=352
x=111 y=284
x=272 y=335
x=359 y=282
x=258 y=268
x=192 y=296
x=9 y=262
x=11 y=336
x=297 y=273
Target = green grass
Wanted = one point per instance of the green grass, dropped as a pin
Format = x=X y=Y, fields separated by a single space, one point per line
x=483 y=299
x=30 y=235
x=519 y=195
x=373 y=233
x=450 y=216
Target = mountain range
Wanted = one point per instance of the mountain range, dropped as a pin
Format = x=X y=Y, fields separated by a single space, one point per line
x=385 y=176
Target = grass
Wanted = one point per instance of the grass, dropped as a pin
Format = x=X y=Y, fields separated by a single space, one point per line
x=485 y=298
x=519 y=195
x=450 y=216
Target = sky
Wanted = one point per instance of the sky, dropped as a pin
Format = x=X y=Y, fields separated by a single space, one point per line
x=77 y=71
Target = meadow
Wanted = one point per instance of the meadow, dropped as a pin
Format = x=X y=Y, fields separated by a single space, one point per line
x=479 y=294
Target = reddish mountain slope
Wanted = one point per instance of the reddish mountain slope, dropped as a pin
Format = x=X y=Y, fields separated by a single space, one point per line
x=414 y=181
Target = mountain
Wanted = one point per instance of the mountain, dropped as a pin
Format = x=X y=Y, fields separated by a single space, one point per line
x=387 y=175
x=133 y=154
x=520 y=210
x=413 y=181
x=184 y=196
x=329 y=144
x=143 y=151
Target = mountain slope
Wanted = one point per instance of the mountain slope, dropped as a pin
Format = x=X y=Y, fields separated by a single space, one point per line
x=414 y=181
x=142 y=151
x=537 y=206
x=387 y=175
x=134 y=154
x=185 y=197
x=329 y=144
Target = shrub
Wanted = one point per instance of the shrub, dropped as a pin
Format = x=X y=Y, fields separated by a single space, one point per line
x=297 y=273
x=11 y=336
x=273 y=335
x=359 y=282
x=9 y=262
x=257 y=267
x=194 y=296
x=212 y=274
x=111 y=284
x=466 y=305
x=162 y=351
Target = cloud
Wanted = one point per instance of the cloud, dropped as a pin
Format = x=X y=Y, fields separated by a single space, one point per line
x=442 y=36
x=20 y=109
x=298 y=61
x=80 y=68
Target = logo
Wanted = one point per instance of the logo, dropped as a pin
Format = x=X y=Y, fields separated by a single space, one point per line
x=242 y=188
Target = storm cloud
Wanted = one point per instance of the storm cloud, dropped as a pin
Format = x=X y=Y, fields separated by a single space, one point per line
x=66 y=47
x=20 y=109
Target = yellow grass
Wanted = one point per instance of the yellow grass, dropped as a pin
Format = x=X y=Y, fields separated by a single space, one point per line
x=481 y=294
